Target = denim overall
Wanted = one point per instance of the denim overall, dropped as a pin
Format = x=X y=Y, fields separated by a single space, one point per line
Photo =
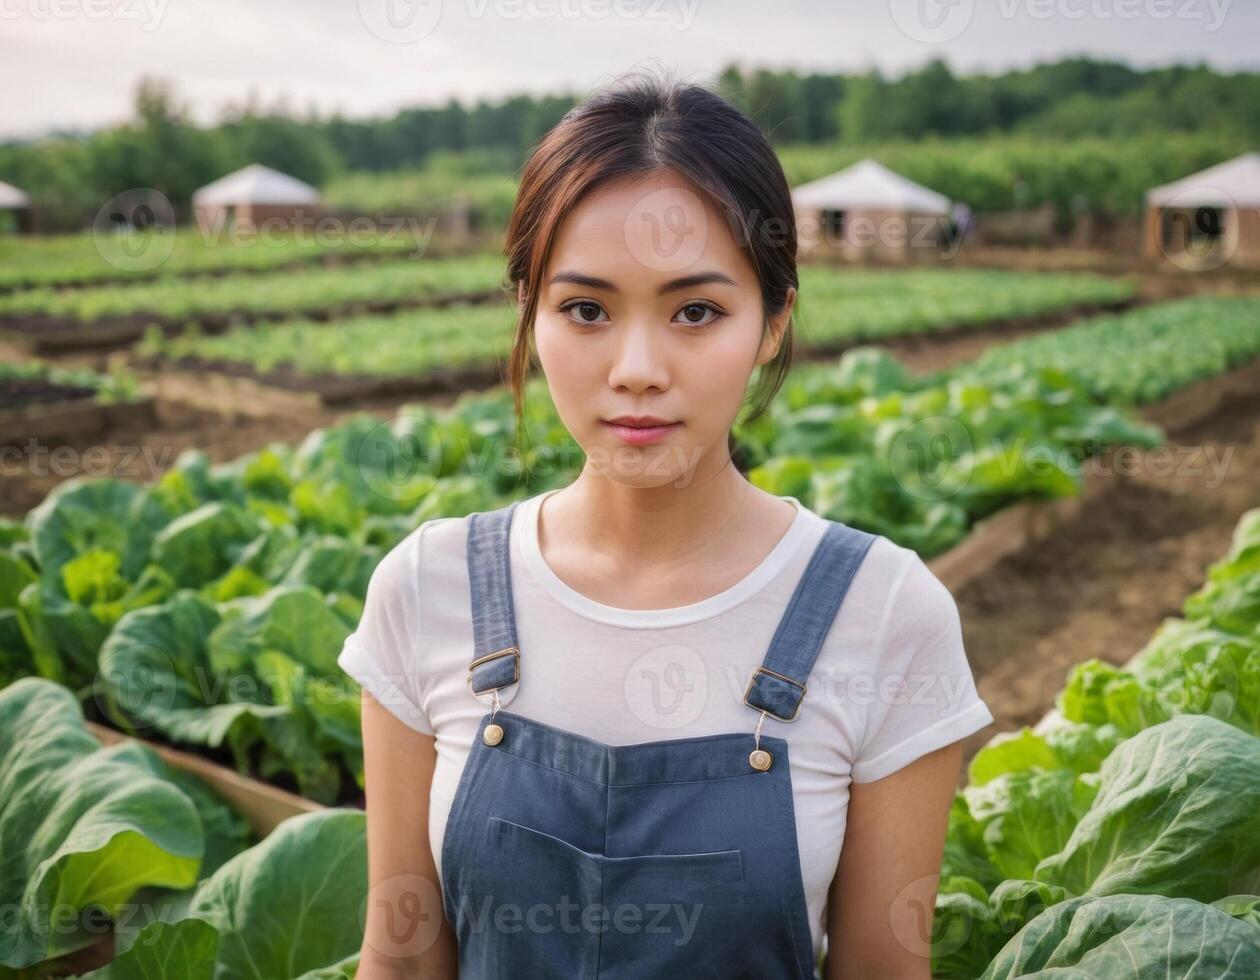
x=567 y=857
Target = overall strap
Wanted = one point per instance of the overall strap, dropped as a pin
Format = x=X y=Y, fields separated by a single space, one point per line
x=778 y=685
x=496 y=657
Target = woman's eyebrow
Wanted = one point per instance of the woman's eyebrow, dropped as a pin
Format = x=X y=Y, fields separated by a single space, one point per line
x=685 y=282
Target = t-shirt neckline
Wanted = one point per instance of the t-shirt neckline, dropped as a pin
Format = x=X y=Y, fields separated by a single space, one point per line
x=583 y=605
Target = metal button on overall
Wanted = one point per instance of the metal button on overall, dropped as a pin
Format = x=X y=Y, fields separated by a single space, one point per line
x=565 y=856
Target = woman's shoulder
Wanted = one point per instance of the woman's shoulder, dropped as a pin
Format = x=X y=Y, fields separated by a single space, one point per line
x=433 y=548
x=912 y=613
x=887 y=566
x=895 y=594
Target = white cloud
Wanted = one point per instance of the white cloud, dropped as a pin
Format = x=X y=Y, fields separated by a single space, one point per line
x=81 y=70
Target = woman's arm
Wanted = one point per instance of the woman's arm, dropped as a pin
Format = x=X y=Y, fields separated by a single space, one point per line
x=406 y=934
x=881 y=901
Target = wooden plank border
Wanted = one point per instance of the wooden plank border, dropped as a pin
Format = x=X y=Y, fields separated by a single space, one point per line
x=60 y=423
x=1022 y=525
x=263 y=805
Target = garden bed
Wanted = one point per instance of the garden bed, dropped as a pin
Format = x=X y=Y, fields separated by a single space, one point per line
x=1019 y=526
x=934 y=350
x=114 y=277
x=1125 y=562
x=1186 y=408
x=1011 y=532
x=1014 y=528
x=339 y=389
x=46 y=334
x=69 y=417
x=1002 y=328
x=265 y=806
x=1061 y=811
x=17 y=393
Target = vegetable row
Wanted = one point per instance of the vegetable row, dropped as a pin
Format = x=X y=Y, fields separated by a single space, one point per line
x=290 y=291
x=109 y=845
x=1122 y=839
x=27 y=382
x=841 y=307
x=30 y=261
x=1119 y=842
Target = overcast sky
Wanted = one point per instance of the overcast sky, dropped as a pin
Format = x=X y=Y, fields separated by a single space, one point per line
x=74 y=63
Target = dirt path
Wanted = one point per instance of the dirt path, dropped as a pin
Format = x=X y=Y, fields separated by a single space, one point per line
x=1103 y=583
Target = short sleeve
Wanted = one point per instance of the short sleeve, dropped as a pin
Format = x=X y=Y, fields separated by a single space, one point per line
x=922 y=695
x=382 y=653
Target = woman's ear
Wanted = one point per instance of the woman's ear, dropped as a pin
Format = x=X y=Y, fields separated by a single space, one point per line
x=778 y=328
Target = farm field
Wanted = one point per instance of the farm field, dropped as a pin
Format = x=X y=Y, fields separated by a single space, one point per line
x=1159 y=755
x=843 y=309
x=990 y=172
x=261 y=356
x=219 y=302
x=1101 y=744
x=119 y=257
x=100 y=555
x=204 y=459
x=276 y=512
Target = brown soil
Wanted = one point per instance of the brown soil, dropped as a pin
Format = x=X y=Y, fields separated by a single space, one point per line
x=53 y=334
x=340 y=389
x=143 y=454
x=1102 y=583
x=22 y=392
x=921 y=353
x=223 y=415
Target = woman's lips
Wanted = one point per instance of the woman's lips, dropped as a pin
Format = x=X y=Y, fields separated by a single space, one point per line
x=641 y=435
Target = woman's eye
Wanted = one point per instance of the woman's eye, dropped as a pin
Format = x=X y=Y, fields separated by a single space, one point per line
x=584 y=309
x=693 y=313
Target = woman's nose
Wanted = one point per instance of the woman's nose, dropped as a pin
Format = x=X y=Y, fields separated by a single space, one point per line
x=641 y=358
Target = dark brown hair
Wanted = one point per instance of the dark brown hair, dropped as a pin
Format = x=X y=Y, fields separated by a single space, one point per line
x=637 y=126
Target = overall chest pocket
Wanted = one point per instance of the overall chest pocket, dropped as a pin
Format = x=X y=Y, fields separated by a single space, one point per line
x=531 y=895
x=633 y=916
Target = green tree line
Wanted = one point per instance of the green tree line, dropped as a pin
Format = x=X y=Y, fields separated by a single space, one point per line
x=1103 y=102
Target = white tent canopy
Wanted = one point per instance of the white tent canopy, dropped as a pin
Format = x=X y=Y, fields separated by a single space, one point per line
x=1234 y=183
x=255 y=184
x=11 y=197
x=869 y=185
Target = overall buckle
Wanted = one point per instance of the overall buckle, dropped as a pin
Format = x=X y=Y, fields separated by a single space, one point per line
x=484 y=674
x=770 y=691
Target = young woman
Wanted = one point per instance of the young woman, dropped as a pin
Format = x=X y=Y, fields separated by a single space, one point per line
x=658 y=722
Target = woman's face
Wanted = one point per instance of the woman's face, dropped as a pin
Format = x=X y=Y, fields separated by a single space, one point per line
x=649 y=307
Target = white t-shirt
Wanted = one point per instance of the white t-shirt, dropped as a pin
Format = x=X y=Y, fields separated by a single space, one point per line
x=890 y=684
